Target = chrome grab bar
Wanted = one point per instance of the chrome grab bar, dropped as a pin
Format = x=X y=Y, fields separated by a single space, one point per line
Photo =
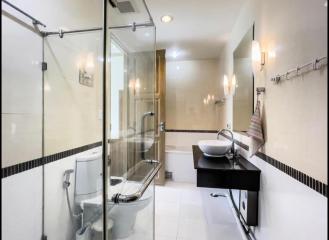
x=121 y=198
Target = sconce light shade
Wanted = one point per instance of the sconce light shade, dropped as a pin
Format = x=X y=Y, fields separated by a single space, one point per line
x=90 y=63
x=233 y=85
x=229 y=86
x=226 y=87
x=257 y=56
x=256 y=53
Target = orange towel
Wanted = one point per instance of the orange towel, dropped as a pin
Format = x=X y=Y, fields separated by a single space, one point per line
x=255 y=131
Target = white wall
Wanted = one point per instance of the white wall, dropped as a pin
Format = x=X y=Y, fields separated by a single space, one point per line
x=187 y=84
x=22 y=202
x=58 y=224
x=21 y=205
x=288 y=209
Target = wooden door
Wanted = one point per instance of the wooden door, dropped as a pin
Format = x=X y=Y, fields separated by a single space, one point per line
x=160 y=113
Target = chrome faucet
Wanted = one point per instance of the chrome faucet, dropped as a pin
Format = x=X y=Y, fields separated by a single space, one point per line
x=233 y=152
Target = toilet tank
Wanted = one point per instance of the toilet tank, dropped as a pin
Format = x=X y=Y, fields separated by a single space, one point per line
x=88 y=176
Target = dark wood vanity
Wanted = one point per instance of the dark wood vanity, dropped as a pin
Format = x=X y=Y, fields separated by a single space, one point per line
x=219 y=172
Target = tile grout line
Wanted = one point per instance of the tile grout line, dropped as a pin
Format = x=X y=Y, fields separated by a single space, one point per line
x=301 y=177
x=41 y=161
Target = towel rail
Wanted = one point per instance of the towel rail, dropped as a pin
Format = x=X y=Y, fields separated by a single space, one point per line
x=121 y=198
x=299 y=70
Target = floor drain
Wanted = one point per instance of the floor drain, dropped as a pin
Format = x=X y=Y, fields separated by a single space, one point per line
x=217 y=195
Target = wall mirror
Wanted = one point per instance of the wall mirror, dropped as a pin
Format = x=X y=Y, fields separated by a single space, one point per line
x=244 y=91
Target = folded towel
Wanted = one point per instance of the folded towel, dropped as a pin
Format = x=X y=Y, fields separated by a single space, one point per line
x=255 y=131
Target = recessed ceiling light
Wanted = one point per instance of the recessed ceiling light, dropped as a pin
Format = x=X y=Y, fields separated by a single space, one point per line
x=166 y=18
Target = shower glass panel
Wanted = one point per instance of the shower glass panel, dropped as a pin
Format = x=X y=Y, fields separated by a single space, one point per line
x=131 y=53
x=73 y=127
x=55 y=117
x=73 y=120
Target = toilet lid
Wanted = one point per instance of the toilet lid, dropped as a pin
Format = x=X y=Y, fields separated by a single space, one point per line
x=98 y=225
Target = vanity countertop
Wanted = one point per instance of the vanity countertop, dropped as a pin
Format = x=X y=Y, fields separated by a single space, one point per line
x=219 y=172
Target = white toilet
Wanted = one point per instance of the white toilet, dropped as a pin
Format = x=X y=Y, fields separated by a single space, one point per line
x=88 y=196
x=124 y=214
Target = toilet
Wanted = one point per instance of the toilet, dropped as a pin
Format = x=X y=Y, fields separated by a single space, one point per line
x=88 y=197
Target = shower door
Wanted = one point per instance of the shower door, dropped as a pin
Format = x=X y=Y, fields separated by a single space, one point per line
x=132 y=122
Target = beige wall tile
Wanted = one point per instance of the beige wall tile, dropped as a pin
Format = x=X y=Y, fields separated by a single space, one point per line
x=295 y=111
x=21 y=138
x=72 y=110
x=187 y=84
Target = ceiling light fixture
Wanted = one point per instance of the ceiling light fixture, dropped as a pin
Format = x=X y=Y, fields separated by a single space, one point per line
x=166 y=18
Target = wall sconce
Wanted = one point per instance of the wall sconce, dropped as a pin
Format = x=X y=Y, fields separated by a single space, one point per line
x=229 y=86
x=86 y=70
x=208 y=99
x=257 y=56
x=134 y=85
x=211 y=99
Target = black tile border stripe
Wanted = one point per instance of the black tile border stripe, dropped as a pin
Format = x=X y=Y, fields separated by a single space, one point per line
x=301 y=177
x=21 y=167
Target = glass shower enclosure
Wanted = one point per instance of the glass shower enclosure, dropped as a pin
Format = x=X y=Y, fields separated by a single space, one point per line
x=97 y=123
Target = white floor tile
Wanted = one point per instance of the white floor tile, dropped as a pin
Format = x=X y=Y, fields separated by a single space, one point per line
x=167 y=209
x=166 y=226
x=192 y=229
x=185 y=212
x=192 y=211
x=164 y=238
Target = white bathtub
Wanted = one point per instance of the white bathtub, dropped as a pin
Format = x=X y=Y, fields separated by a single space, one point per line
x=179 y=158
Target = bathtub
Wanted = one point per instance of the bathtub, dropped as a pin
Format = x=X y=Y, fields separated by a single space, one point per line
x=178 y=154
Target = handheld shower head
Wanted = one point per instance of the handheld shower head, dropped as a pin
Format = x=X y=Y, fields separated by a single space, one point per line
x=67 y=175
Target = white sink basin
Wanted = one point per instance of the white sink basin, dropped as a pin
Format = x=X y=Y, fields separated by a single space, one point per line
x=215 y=148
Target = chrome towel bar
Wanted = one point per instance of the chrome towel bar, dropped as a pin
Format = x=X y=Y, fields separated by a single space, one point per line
x=121 y=198
x=299 y=70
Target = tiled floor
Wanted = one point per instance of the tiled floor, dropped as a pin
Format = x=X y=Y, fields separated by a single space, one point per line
x=185 y=212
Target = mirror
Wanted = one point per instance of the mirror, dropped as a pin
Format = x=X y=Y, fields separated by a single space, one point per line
x=243 y=97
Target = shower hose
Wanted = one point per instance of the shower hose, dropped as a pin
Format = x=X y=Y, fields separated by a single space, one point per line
x=72 y=215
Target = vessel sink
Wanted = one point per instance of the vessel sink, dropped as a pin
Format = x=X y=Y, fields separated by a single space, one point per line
x=214 y=148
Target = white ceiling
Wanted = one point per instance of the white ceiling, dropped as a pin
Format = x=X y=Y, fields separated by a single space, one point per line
x=199 y=29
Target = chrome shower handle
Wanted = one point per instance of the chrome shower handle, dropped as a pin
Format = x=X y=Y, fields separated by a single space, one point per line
x=120 y=198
